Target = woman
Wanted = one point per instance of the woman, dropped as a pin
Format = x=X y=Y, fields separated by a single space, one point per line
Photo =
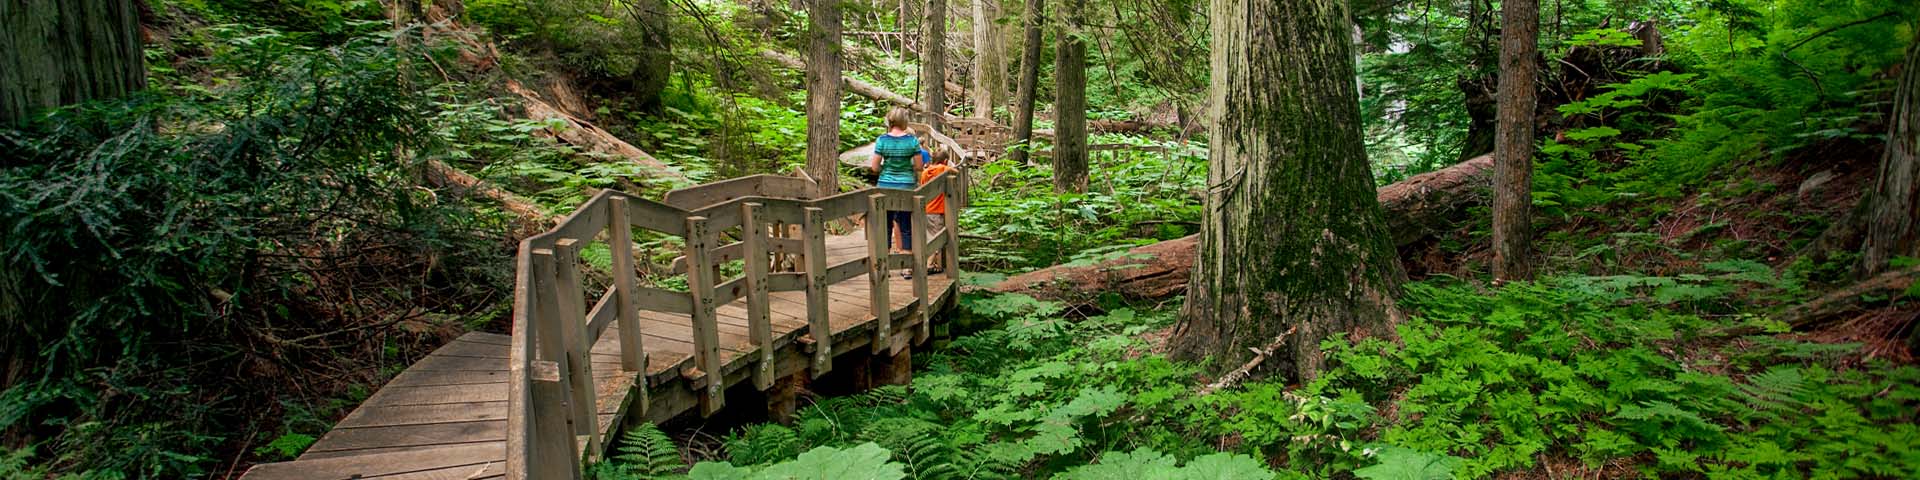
x=897 y=158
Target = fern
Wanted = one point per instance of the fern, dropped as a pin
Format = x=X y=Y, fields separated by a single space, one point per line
x=1779 y=388
x=763 y=444
x=644 y=453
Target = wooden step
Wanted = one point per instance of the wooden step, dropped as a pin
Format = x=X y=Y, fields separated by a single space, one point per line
x=462 y=462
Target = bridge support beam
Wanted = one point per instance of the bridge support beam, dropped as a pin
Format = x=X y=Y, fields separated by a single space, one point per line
x=896 y=369
x=783 y=400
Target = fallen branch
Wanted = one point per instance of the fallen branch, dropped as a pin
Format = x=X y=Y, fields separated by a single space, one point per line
x=1415 y=208
x=592 y=139
x=1259 y=355
x=1834 y=305
x=531 y=217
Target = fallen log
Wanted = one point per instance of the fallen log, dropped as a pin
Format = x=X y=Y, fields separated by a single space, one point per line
x=1415 y=209
x=1838 y=304
x=591 y=139
x=529 y=217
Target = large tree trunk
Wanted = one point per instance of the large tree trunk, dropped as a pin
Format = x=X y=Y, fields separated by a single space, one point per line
x=1896 y=193
x=1513 y=140
x=933 y=76
x=62 y=52
x=1070 y=102
x=1293 y=239
x=823 y=95
x=989 y=67
x=650 y=78
x=1415 y=208
x=1029 y=81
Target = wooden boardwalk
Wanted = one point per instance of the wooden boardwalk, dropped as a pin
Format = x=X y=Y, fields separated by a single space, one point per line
x=450 y=415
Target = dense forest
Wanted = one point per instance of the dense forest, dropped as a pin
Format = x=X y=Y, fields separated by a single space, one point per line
x=1245 y=239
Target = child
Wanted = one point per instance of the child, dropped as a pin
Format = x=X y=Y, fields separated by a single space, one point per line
x=897 y=159
x=936 y=208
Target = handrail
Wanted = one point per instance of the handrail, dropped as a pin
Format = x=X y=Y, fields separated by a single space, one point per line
x=552 y=405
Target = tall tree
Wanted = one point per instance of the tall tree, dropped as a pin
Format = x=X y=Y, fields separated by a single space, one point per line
x=823 y=95
x=933 y=76
x=1513 y=141
x=61 y=52
x=1294 y=247
x=1029 y=80
x=1070 y=102
x=1895 y=201
x=989 y=64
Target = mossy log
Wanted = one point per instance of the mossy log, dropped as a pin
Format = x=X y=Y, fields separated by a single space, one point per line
x=1415 y=208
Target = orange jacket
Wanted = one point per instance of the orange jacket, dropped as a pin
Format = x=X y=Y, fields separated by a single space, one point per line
x=939 y=203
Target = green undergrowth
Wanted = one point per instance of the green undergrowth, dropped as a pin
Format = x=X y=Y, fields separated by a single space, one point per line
x=1134 y=197
x=1614 y=376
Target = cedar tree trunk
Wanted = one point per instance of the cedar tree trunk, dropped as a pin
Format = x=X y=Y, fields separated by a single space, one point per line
x=1513 y=141
x=1293 y=238
x=1029 y=81
x=933 y=77
x=989 y=66
x=1070 y=102
x=1896 y=192
x=823 y=95
x=62 y=52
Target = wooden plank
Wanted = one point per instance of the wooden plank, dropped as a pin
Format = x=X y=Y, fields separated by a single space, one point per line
x=632 y=343
x=415 y=377
x=358 y=439
x=379 y=466
x=956 y=188
x=814 y=231
x=920 y=257
x=877 y=270
x=545 y=411
x=580 y=384
x=656 y=216
x=583 y=224
x=646 y=298
x=762 y=185
x=760 y=327
x=787 y=282
x=403 y=395
x=487 y=338
x=378 y=416
x=706 y=329
x=848 y=270
x=601 y=315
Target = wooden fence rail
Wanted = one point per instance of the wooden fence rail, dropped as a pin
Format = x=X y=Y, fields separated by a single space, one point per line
x=553 y=422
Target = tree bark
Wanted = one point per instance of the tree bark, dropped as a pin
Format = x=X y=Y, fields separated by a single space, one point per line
x=1029 y=81
x=1513 y=140
x=933 y=77
x=1293 y=239
x=1415 y=209
x=656 y=60
x=989 y=67
x=823 y=95
x=1896 y=192
x=1070 y=102
x=62 y=52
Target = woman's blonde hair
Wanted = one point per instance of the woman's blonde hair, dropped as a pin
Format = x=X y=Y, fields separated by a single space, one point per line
x=898 y=117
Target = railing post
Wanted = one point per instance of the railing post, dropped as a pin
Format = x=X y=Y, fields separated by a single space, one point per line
x=878 y=234
x=955 y=186
x=620 y=241
x=753 y=239
x=573 y=317
x=920 y=254
x=819 y=323
x=551 y=451
x=706 y=330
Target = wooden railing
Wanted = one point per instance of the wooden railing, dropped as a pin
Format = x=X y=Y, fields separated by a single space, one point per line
x=552 y=413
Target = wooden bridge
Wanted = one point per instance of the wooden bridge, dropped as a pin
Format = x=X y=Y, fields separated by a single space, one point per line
x=592 y=350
